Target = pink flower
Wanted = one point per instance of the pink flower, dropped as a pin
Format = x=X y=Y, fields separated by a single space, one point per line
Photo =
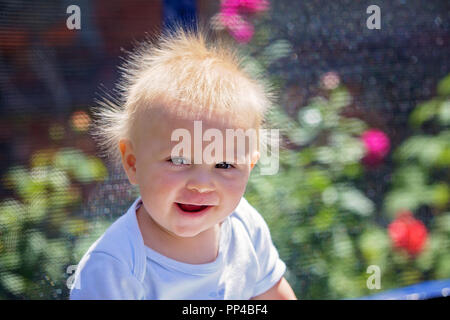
x=377 y=146
x=254 y=6
x=408 y=233
x=242 y=30
x=231 y=3
x=330 y=80
x=228 y=16
x=233 y=15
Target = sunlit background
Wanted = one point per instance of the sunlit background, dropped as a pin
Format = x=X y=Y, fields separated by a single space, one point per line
x=364 y=116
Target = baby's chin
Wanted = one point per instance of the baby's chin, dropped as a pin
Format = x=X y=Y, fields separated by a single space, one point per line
x=190 y=229
x=190 y=232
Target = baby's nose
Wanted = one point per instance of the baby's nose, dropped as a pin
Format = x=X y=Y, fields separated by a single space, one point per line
x=200 y=187
x=200 y=182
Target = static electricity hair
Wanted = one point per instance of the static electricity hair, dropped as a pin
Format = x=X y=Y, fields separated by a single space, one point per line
x=186 y=73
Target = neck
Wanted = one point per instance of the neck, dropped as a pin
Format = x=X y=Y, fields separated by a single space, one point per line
x=203 y=248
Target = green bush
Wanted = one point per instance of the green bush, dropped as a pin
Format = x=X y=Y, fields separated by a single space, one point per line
x=41 y=233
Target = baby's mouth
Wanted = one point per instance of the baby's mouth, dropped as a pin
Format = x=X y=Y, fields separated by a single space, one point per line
x=191 y=207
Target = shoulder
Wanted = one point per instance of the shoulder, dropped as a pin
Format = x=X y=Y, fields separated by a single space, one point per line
x=251 y=219
x=121 y=242
x=112 y=267
x=270 y=268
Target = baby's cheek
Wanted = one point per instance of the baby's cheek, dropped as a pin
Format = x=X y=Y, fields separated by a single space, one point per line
x=235 y=187
x=166 y=181
x=171 y=183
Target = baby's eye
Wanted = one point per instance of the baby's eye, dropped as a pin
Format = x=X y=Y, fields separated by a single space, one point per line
x=178 y=161
x=224 y=165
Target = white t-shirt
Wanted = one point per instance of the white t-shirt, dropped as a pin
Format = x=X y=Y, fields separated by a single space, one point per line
x=119 y=266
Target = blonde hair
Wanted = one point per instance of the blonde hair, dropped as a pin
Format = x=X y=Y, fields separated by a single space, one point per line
x=186 y=72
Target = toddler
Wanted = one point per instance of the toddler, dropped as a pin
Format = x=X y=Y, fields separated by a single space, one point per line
x=190 y=234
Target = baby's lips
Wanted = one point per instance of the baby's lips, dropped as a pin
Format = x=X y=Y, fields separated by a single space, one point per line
x=191 y=207
x=198 y=200
x=194 y=204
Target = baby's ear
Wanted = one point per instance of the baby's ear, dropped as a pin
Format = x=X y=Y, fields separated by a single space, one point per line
x=255 y=158
x=128 y=159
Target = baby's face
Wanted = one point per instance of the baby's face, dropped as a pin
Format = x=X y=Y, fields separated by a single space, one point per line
x=183 y=197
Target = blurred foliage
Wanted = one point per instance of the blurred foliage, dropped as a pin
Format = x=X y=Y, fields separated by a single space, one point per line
x=327 y=230
x=40 y=231
x=422 y=175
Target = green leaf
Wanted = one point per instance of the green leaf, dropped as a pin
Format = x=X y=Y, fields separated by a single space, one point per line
x=443 y=88
x=375 y=246
x=353 y=200
x=12 y=215
x=36 y=244
x=425 y=261
x=352 y=126
x=57 y=253
x=68 y=158
x=42 y=158
x=98 y=169
x=442 y=269
x=401 y=199
x=37 y=241
x=16 y=176
x=409 y=176
x=431 y=151
x=353 y=170
x=340 y=97
x=443 y=159
x=324 y=218
x=14 y=283
x=277 y=118
x=75 y=163
x=310 y=117
x=438 y=195
x=253 y=67
x=76 y=227
x=442 y=222
x=330 y=119
x=305 y=157
x=444 y=113
x=342 y=244
x=407 y=150
x=424 y=112
x=330 y=196
x=26 y=184
x=300 y=235
x=317 y=179
x=325 y=155
x=277 y=50
x=302 y=136
x=58 y=179
x=350 y=151
x=420 y=147
x=10 y=260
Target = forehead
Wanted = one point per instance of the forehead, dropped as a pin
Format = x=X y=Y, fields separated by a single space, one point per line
x=159 y=130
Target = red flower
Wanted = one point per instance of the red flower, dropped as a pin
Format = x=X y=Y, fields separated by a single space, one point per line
x=377 y=146
x=408 y=233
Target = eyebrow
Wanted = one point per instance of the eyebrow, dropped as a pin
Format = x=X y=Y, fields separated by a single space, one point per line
x=236 y=157
x=230 y=161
